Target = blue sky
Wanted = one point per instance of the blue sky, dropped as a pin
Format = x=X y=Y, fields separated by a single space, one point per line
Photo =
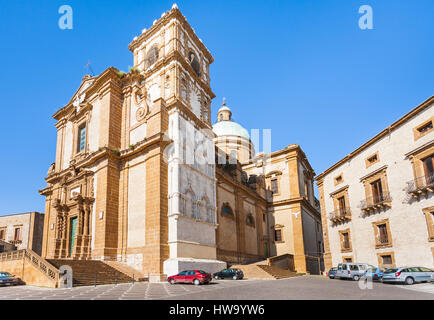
x=301 y=68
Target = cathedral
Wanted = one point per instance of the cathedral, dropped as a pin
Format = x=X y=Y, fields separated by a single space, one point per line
x=142 y=177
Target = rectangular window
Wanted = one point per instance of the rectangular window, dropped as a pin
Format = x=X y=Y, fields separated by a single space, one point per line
x=274 y=186
x=338 y=179
x=425 y=128
x=264 y=218
x=429 y=216
x=81 y=138
x=17 y=235
x=306 y=189
x=372 y=159
x=346 y=240
x=428 y=166
x=341 y=203
x=278 y=235
x=2 y=234
x=387 y=259
x=382 y=233
x=377 y=191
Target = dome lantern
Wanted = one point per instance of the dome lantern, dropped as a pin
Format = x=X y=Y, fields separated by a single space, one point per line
x=232 y=138
x=224 y=113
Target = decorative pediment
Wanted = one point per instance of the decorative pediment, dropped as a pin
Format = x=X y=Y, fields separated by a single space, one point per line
x=273 y=173
x=80 y=95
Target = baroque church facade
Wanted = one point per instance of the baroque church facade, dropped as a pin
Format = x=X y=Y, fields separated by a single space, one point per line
x=141 y=176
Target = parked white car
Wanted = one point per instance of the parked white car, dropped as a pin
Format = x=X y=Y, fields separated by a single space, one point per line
x=408 y=275
x=353 y=271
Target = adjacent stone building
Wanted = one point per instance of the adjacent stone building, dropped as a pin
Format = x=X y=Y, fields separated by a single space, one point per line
x=377 y=203
x=22 y=231
x=135 y=177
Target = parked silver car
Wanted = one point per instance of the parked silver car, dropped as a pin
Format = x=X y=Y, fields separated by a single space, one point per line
x=352 y=270
x=408 y=275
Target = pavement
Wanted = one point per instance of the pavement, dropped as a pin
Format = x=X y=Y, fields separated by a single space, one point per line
x=304 y=287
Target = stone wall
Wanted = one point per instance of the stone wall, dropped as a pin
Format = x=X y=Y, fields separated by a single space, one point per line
x=410 y=244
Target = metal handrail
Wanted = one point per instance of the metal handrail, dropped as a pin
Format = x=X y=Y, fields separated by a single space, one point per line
x=421 y=182
x=375 y=200
x=340 y=213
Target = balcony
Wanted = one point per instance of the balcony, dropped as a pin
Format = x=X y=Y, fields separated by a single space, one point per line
x=373 y=203
x=15 y=242
x=421 y=186
x=340 y=215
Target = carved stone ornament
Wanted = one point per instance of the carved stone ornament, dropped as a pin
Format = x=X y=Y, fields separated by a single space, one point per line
x=79 y=100
x=141 y=114
x=139 y=95
x=140 y=100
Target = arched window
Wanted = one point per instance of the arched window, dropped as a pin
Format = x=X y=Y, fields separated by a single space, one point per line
x=203 y=209
x=151 y=57
x=233 y=157
x=194 y=62
x=190 y=204
x=250 y=220
x=227 y=210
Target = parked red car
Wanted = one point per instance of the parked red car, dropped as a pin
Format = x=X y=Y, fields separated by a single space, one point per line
x=196 y=277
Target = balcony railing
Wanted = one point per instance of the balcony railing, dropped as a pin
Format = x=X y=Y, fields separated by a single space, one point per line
x=15 y=242
x=421 y=185
x=340 y=215
x=376 y=202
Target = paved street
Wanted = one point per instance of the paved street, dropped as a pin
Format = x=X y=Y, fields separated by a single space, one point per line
x=307 y=287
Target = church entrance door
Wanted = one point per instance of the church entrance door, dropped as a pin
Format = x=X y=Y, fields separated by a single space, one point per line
x=72 y=235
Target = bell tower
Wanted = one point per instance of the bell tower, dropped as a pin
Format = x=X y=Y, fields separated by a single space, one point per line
x=175 y=65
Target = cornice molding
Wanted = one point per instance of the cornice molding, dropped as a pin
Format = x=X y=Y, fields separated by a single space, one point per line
x=173 y=13
x=339 y=190
x=420 y=149
x=108 y=74
x=424 y=105
x=383 y=168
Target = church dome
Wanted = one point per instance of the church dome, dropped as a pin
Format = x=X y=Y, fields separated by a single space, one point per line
x=230 y=128
x=226 y=127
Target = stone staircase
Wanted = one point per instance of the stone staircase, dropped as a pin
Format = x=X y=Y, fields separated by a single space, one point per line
x=253 y=271
x=129 y=271
x=277 y=267
x=91 y=272
x=279 y=273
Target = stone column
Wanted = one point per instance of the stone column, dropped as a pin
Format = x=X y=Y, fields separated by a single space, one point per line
x=86 y=220
x=63 y=241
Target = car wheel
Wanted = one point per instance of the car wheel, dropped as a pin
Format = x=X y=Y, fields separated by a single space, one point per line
x=356 y=278
x=172 y=281
x=235 y=277
x=196 y=282
x=409 y=281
